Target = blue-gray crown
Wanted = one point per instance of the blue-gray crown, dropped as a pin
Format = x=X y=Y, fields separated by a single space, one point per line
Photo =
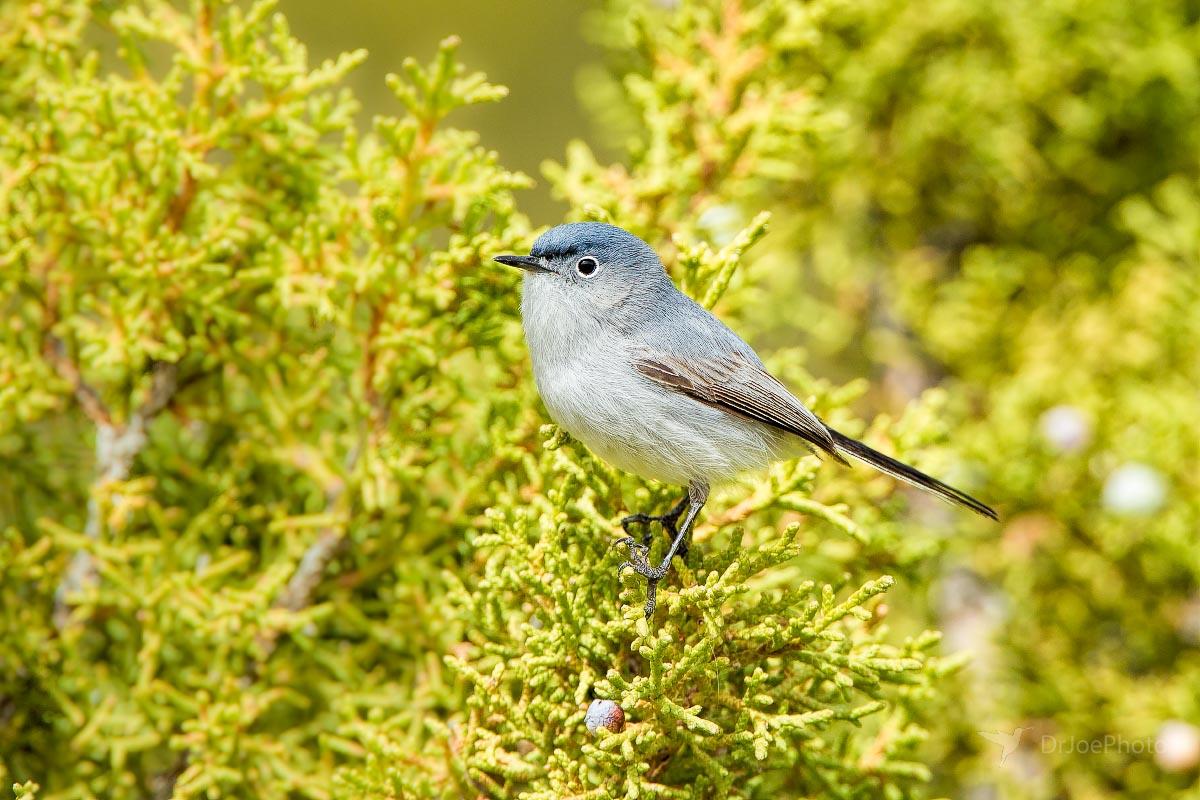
x=595 y=238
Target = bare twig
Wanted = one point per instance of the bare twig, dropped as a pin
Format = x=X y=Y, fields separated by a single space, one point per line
x=303 y=583
x=116 y=448
x=89 y=400
x=297 y=595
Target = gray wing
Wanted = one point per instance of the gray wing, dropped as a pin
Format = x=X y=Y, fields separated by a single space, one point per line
x=690 y=351
x=737 y=384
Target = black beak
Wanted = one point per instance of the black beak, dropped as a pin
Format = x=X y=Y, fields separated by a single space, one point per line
x=528 y=263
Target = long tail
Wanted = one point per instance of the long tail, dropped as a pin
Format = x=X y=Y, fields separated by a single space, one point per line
x=901 y=471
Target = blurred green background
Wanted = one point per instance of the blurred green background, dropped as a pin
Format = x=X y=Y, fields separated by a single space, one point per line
x=537 y=48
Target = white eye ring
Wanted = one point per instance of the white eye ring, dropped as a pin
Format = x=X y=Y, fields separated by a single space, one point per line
x=586 y=266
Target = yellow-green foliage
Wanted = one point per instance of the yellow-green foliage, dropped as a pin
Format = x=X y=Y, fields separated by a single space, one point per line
x=245 y=311
x=280 y=514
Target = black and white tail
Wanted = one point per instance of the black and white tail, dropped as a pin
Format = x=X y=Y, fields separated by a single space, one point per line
x=903 y=472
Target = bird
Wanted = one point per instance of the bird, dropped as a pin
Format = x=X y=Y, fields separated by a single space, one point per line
x=655 y=385
x=1008 y=742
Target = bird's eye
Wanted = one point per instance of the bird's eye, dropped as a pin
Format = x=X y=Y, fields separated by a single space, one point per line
x=586 y=266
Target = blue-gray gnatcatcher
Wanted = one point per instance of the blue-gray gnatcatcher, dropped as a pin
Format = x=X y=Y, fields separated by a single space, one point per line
x=656 y=385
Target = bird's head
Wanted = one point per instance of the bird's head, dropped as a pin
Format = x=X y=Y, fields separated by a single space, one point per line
x=591 y=266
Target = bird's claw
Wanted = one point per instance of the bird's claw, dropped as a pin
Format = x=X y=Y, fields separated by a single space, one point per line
x=639 y=552
x=638 y=563
x=637 y=556
x=668 y=522
x=642 y=567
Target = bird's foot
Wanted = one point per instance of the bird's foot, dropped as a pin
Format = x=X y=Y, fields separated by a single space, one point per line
x=639 y=563
x=639 y=553
x=669 y=521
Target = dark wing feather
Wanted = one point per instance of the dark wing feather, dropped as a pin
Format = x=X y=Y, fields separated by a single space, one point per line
x=910 y=475
x=740 y=386
x=736 y=384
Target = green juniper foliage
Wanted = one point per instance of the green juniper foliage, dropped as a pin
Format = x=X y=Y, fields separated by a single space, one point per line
x=243 y=309
x=280 y=514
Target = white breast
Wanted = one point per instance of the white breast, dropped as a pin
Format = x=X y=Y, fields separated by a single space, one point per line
x=586 y=379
